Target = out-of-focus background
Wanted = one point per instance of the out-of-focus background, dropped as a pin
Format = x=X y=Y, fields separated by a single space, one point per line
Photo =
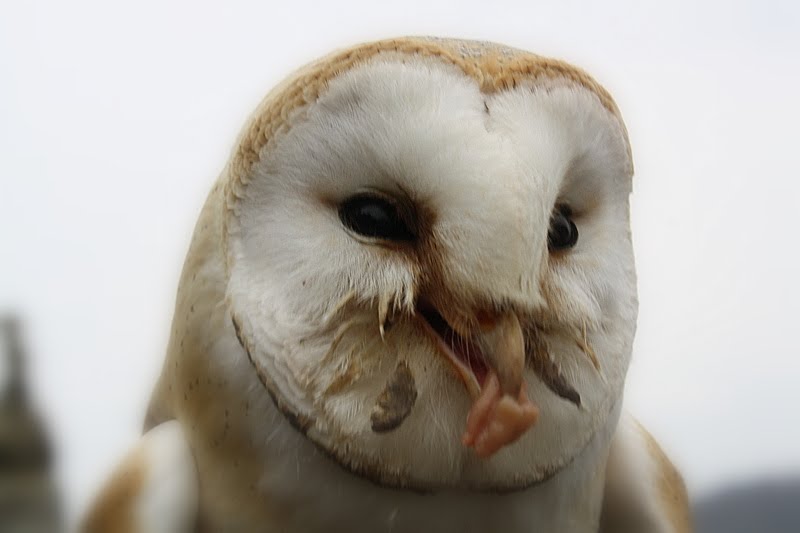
x=115 y=118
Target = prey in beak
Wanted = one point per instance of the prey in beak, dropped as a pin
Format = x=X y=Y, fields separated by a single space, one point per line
x=490 y=361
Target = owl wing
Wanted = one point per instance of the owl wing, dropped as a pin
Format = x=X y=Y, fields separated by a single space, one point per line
x=153 y=491
x=644 y=492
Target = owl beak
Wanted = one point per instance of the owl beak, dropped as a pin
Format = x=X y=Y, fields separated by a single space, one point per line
x=502 y=413
x=491 y=365
x=503 y=347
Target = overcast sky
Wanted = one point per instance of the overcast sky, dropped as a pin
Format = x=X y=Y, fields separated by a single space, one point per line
x=115 y=119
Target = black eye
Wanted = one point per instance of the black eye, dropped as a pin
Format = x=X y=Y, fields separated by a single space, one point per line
x=563 y=232
x=373 y=216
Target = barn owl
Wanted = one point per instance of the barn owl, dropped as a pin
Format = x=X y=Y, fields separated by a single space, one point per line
x=408 y=305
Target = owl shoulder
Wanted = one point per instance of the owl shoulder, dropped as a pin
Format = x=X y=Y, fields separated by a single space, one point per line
x=154 y=490
x=644 y=491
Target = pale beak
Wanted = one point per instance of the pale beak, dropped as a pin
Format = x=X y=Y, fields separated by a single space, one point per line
x=503 y=346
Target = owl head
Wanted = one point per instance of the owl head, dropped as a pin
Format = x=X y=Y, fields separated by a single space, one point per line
x=429 y=263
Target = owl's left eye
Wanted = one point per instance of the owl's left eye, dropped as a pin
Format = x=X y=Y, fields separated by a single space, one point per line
x=372 y=216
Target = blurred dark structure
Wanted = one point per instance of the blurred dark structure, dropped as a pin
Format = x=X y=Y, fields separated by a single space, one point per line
x=29 y=501
x=767 y=507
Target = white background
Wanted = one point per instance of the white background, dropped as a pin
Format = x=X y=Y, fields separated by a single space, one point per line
x=115 y=119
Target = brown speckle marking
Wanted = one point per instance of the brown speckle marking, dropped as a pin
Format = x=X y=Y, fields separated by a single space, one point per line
x=395 y=402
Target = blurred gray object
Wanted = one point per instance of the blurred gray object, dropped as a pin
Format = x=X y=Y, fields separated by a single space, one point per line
x=768 y=507
x=28 y=498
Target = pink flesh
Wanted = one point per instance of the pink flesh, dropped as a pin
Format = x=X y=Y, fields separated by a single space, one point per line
x=497 y=419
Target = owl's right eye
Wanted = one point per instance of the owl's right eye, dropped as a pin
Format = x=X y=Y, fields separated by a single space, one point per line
x=376 y=217
x=563 y=232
